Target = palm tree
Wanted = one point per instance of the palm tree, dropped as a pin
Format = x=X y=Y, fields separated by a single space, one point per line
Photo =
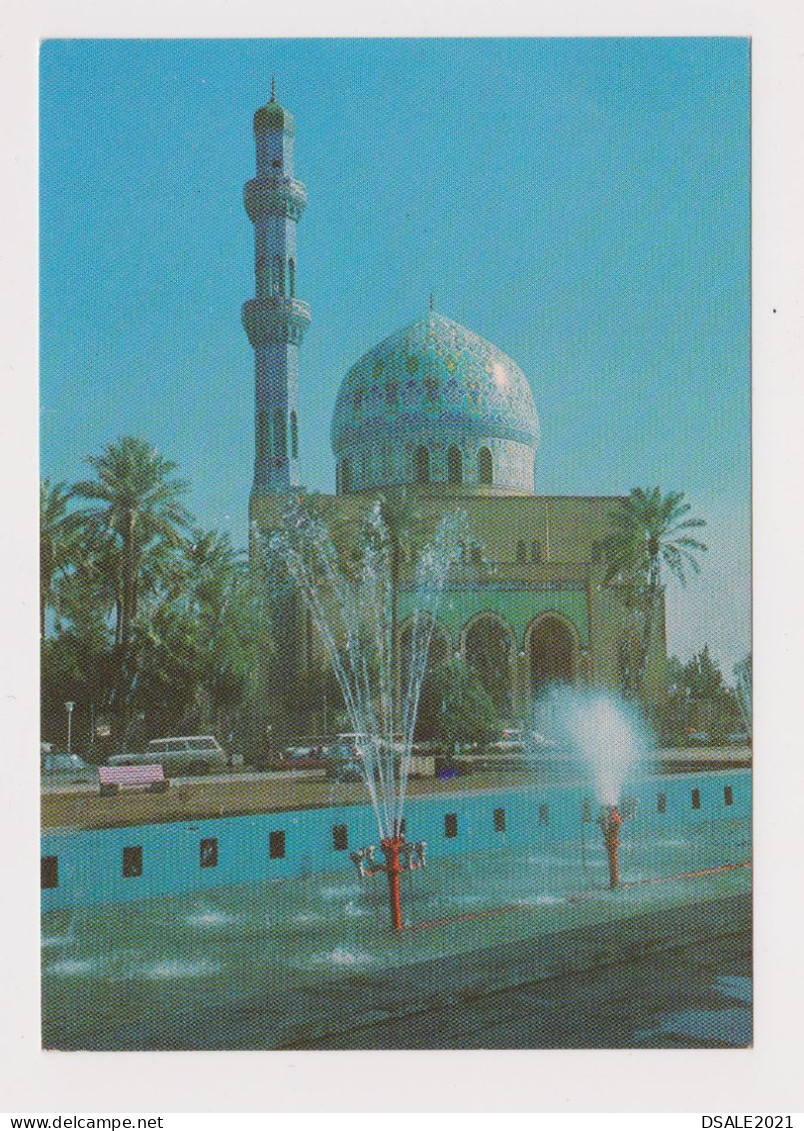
x=650 y=539
x=133 y=524
x=137 y=510
x=55 y=541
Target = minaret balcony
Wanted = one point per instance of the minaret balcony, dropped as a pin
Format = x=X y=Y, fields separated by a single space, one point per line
x=274 y=319
x=274 y=196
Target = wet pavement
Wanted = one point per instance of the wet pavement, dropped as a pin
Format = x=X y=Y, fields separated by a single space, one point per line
x=698 y=996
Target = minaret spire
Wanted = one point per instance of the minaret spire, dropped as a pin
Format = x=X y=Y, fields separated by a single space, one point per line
x=275 y=319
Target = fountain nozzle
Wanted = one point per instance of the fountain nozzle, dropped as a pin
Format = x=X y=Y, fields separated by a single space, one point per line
x=610 y=822
x=363 y=860
x=400 y=856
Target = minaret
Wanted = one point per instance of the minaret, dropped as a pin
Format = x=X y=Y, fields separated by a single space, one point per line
x=275 y=320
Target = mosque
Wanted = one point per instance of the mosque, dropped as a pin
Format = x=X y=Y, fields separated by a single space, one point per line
x=432 y=418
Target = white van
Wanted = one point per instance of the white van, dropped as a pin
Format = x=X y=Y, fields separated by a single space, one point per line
x=186 y=754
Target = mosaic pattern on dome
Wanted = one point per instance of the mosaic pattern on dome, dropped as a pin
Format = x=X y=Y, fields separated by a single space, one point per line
x=434 y=372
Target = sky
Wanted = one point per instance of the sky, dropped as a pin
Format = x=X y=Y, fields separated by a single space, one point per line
x=584 y=204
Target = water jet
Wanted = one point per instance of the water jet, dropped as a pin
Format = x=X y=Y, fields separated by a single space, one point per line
x=354 y=614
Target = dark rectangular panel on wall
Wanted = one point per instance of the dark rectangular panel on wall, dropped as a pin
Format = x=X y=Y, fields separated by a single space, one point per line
x=276 y=844
x=544 y=815
x=696 y=799
x=132 y=861
x=450 y=824
x=49 y=871
x=661 y=803
x=499 y=820
x=340 y=837
x=208 y=852
x=728 y=796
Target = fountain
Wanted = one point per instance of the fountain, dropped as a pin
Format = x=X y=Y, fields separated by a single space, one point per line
x=400 y=856
x=744 y=690
x=610 y=822
x=609 y=737
x=355 y=619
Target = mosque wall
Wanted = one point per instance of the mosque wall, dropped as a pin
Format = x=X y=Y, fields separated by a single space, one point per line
x=538 y=571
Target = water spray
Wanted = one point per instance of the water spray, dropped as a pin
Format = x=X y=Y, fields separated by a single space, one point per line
x=353 y=611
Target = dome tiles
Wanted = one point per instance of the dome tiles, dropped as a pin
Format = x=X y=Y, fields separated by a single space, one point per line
x=435 y=377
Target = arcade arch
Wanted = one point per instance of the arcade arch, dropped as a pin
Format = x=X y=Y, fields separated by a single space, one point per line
x=552 y=647
x=488 y=647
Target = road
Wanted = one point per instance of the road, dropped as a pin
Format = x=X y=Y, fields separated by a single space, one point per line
x=241 y=793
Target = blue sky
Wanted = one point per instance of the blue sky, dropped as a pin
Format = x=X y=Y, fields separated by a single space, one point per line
x=584 y=204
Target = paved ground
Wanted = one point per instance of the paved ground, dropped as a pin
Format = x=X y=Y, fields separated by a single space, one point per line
x=695 y=997
x=237 y=794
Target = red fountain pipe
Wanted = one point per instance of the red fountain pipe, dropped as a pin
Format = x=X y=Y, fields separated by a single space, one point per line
x=391 y=848
x=610 y=824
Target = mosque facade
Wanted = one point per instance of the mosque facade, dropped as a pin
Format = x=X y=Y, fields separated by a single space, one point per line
x=432 y=418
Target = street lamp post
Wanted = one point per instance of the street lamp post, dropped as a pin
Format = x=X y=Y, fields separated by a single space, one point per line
x=69 y=707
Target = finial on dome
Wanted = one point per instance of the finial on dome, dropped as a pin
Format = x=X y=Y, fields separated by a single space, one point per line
x=273 y=88
x=432 y=301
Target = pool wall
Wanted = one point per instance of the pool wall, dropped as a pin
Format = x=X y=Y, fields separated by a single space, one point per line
x=111 y=865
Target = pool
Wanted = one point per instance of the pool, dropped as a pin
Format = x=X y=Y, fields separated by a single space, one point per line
x=260 y=951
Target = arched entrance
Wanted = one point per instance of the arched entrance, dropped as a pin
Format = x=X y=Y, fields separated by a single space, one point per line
x=488 y=646
x=552 y=653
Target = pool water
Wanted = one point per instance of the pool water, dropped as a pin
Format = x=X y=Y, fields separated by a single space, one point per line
x=269 y=963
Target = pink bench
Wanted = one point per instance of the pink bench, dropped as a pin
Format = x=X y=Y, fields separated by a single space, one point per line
x=151 y=777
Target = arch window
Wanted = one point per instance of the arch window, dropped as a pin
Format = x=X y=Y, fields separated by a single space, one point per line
x=454 y=466
x=485 y=466
x=280 y=445
x=292 y=277
x=421 y=464
x=280 y=275
x=294 y=436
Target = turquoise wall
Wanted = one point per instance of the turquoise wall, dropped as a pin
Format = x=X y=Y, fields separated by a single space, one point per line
x=90 y=861
x=517 y=607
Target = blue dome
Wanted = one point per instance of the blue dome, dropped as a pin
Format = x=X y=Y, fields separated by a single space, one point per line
x=434 y=375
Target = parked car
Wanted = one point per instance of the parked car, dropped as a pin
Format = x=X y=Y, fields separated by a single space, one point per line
x=299 y=758
x=346 y=772
x=186 y=754
x=58 y=768
x=337 y=752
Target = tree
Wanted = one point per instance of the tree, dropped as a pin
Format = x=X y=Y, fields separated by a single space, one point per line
x=134 y=523
x=56 y=541
x=650 y=539
x=454 y=707
x=488 y=655
x=136 y=509
x=699 y=699
x=744 y=675
x=703 y=676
